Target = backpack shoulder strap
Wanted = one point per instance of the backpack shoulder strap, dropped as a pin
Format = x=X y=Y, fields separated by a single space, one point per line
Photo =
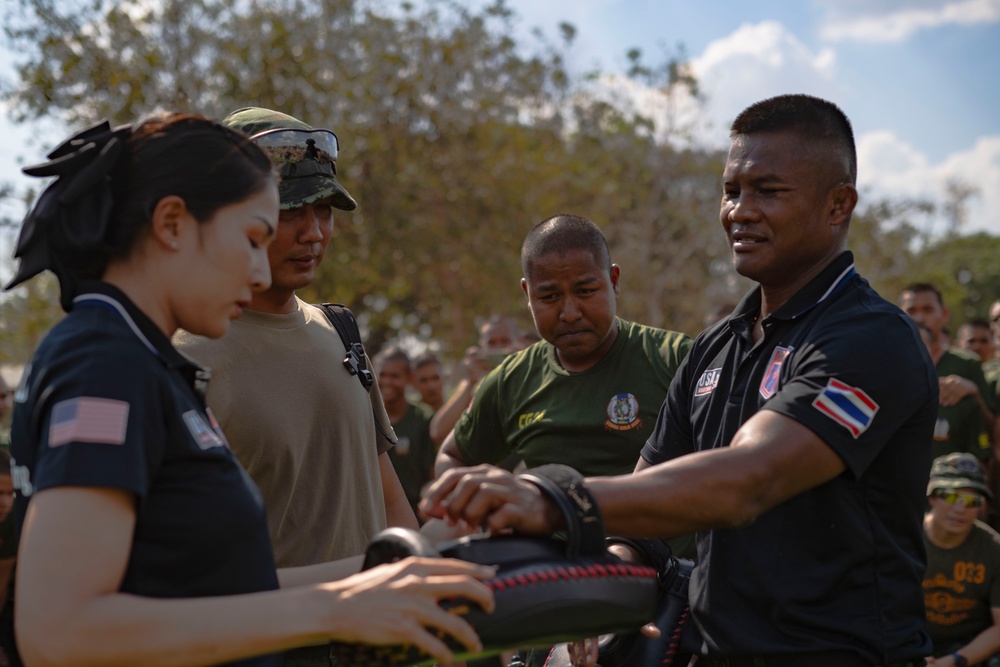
x=343 y=321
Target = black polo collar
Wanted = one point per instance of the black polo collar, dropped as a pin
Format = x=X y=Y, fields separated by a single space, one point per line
x=101 y=294
x=830 y=279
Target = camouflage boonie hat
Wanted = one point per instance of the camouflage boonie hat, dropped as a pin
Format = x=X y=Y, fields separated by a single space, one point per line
x=958 y=471
x=294 y=191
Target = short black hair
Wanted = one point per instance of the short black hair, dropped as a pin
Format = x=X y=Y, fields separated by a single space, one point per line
x=917 y=288
x=811 y=117
x=426 y=359
x=976 y=322
x=560 y=234
x=392 y=353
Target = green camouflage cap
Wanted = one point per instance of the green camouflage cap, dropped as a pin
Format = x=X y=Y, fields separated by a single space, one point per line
x=295 y=191
x=959 y=470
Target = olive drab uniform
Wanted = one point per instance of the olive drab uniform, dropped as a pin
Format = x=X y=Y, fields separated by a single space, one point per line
x=596 y=420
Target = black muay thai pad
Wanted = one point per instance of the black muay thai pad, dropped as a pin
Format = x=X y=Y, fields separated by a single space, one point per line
x=546 y=590
x=678 y=634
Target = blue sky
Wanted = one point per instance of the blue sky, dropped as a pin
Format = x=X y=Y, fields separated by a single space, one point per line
x=920 y=79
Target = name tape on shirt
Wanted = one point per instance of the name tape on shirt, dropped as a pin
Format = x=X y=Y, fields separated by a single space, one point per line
x=848 y=406
x=202 y=431
x=88 y=419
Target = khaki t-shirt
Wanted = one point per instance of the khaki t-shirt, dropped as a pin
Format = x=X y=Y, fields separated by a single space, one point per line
x=303 y=428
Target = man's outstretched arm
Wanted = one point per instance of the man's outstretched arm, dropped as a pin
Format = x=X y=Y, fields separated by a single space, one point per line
x=772 y=458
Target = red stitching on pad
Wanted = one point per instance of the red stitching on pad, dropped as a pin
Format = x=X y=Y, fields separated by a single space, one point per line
x=574 y=572
x=675 y=639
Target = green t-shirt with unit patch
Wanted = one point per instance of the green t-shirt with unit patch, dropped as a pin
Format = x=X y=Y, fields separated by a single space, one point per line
x=960 y=427
x=595 y=421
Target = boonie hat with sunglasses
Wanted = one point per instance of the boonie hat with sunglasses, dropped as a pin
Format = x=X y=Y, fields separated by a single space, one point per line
x=305 y=157
x=958 y=471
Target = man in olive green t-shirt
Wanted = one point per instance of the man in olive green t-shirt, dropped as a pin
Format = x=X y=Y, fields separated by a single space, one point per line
x=966 y=415
x=587 y=395
x=413 y=455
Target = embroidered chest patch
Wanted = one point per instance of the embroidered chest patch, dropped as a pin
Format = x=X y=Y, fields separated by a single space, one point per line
x=769 y=383
x=708 y=381
x=623 y=413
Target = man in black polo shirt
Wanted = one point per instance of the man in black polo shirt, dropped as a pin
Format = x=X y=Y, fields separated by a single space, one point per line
x=795 y=439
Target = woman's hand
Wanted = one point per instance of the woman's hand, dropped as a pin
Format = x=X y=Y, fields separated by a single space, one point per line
x=399 y=603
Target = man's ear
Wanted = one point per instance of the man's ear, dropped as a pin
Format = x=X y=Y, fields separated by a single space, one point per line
x=844 y=197
x=170 y=219
x=615 y=275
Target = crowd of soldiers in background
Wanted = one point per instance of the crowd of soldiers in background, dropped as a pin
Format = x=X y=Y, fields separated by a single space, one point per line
x=425 y=397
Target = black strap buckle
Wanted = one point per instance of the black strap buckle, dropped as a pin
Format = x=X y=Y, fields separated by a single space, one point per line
x=355 y=364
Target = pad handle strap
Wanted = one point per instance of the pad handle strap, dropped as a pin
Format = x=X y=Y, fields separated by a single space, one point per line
x=655 y=553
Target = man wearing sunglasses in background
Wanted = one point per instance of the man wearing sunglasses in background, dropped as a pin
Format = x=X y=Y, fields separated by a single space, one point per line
x=962 y=583
x=313 y=439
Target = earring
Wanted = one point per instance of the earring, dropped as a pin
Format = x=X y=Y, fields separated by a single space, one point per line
x=173 y=244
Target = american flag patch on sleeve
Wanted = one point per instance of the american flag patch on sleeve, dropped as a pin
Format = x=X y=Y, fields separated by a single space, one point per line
x=848 y=406
x=87 y=419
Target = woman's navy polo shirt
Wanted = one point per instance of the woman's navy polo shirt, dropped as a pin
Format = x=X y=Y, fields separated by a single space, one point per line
x=108 y=402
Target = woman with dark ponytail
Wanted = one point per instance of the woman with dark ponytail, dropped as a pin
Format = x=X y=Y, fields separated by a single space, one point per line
x=142 y=540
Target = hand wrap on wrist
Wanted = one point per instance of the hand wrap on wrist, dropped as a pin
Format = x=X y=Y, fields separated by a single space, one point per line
x=565 y=487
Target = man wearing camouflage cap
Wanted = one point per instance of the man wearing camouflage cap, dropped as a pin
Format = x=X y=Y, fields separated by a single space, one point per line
x=962 y=582
x=299 y=422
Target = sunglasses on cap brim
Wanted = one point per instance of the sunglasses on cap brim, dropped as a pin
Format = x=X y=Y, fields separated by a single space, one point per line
x=963 y=499
x=291 y=146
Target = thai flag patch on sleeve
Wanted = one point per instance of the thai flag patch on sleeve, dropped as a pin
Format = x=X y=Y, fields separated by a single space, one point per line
x=87 y=419
x=848 y=406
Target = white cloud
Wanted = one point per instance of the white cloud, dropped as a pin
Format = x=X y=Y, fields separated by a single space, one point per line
x=893 y=163
x=889 y=167
x=764 y=59
x=979 y=167
x=755 y=62
x=858 y=22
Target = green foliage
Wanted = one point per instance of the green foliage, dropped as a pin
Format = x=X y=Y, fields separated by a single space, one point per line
x=26 y=316
x=967 y=271
x=456 y=139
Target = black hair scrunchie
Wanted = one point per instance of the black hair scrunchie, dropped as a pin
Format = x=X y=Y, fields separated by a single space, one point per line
x=70 y=219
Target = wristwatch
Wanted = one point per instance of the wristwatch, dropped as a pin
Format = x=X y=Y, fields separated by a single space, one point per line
x=960 y=660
